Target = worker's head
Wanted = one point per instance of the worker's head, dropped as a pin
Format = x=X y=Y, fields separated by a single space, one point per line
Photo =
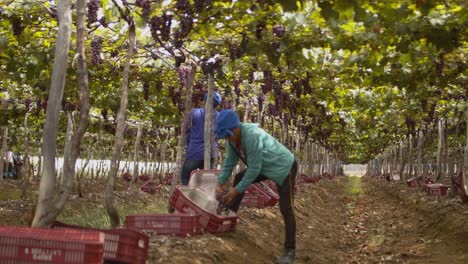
x=225 y=122
x=216 y=99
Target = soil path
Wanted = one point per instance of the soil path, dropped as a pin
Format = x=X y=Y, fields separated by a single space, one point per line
x=348 y=220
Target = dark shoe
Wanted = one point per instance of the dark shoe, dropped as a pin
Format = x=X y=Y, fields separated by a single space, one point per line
x=287 y=257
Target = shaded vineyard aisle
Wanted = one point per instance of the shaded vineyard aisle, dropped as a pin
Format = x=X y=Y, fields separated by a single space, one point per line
x=349 y=220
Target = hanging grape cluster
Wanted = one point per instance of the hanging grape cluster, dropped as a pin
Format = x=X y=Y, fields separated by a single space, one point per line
x=93 y=7
x=259 y=29
x=307 y=89
x=145 y=6
x=237 y=90
x=201 y=5
x=17 y=25
x=146 y=91
x=279 y=30
x=104 y=114
x=268 y=81
x=184 y=73
x=96 y=45
x=235 y=51
x=186 y=24
x=27 y=104
x=211 y=65
x=182 y=5
x=160 y=27
x=273 y=110
x=176 y=97
x=198 y=93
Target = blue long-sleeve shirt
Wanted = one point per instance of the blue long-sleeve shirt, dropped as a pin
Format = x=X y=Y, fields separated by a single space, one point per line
x=196 y=135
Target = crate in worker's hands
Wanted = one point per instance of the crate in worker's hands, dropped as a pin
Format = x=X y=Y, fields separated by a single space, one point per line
x=437 y=189
x=165 y=224
x=121 y=245
x=205 y=180
x=40 y=245
x=151 y=187
x=193 y=200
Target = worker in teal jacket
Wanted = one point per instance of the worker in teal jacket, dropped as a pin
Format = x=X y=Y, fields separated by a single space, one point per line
x=265 y=158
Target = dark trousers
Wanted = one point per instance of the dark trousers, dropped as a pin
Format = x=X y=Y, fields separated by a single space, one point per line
x=188 y=167
x=286 y=203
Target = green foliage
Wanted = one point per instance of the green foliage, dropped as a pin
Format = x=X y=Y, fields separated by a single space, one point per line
x=370 y=72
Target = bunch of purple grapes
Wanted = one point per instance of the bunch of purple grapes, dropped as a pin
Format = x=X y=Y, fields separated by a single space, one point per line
x=235 y=52
x=96 y=45
x=104 y=114
x=210 y=65
x=198 y=93
x=27 y=104
x=279 y=31
x=166 y=26
x=146 y=91
x=259 y=29
x=307 y=89
x=222 y=207
x=145 y=7
x=93 y=7
x=297 y=88
x=201 y=5
x=186 y=24
x=268 y=81
x=184 y=73
x=17 y=25
x=183 y=5
x=160 y=27
x=260 y=100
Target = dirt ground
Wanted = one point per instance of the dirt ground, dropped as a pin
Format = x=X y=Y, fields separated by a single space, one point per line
x=346 y=220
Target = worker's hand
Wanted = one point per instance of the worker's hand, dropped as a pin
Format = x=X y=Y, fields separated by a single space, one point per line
x=229 y=197
x=219 y=189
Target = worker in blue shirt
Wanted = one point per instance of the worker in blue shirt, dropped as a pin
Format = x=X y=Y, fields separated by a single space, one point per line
x=194 y=157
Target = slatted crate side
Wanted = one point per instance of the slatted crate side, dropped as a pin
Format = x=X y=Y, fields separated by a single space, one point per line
x=120 y=244
x=253 y=200
x=31 y=245
x=165 y=224
x=210 y=222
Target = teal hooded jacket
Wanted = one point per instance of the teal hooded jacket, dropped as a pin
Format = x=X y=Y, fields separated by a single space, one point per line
x=263 y=155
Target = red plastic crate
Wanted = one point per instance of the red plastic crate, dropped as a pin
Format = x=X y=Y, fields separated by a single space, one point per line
x=144 y=177
x=167 y=179
x=309 y=179
x=253 y=200
x=269 y=196
x=165 y=224
x=436 y=189
x=272 y=185
x=127 y=176
x=37 y=245
x=412 y=182
x=120 y=244
x=151 y=187
x=209 y=220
